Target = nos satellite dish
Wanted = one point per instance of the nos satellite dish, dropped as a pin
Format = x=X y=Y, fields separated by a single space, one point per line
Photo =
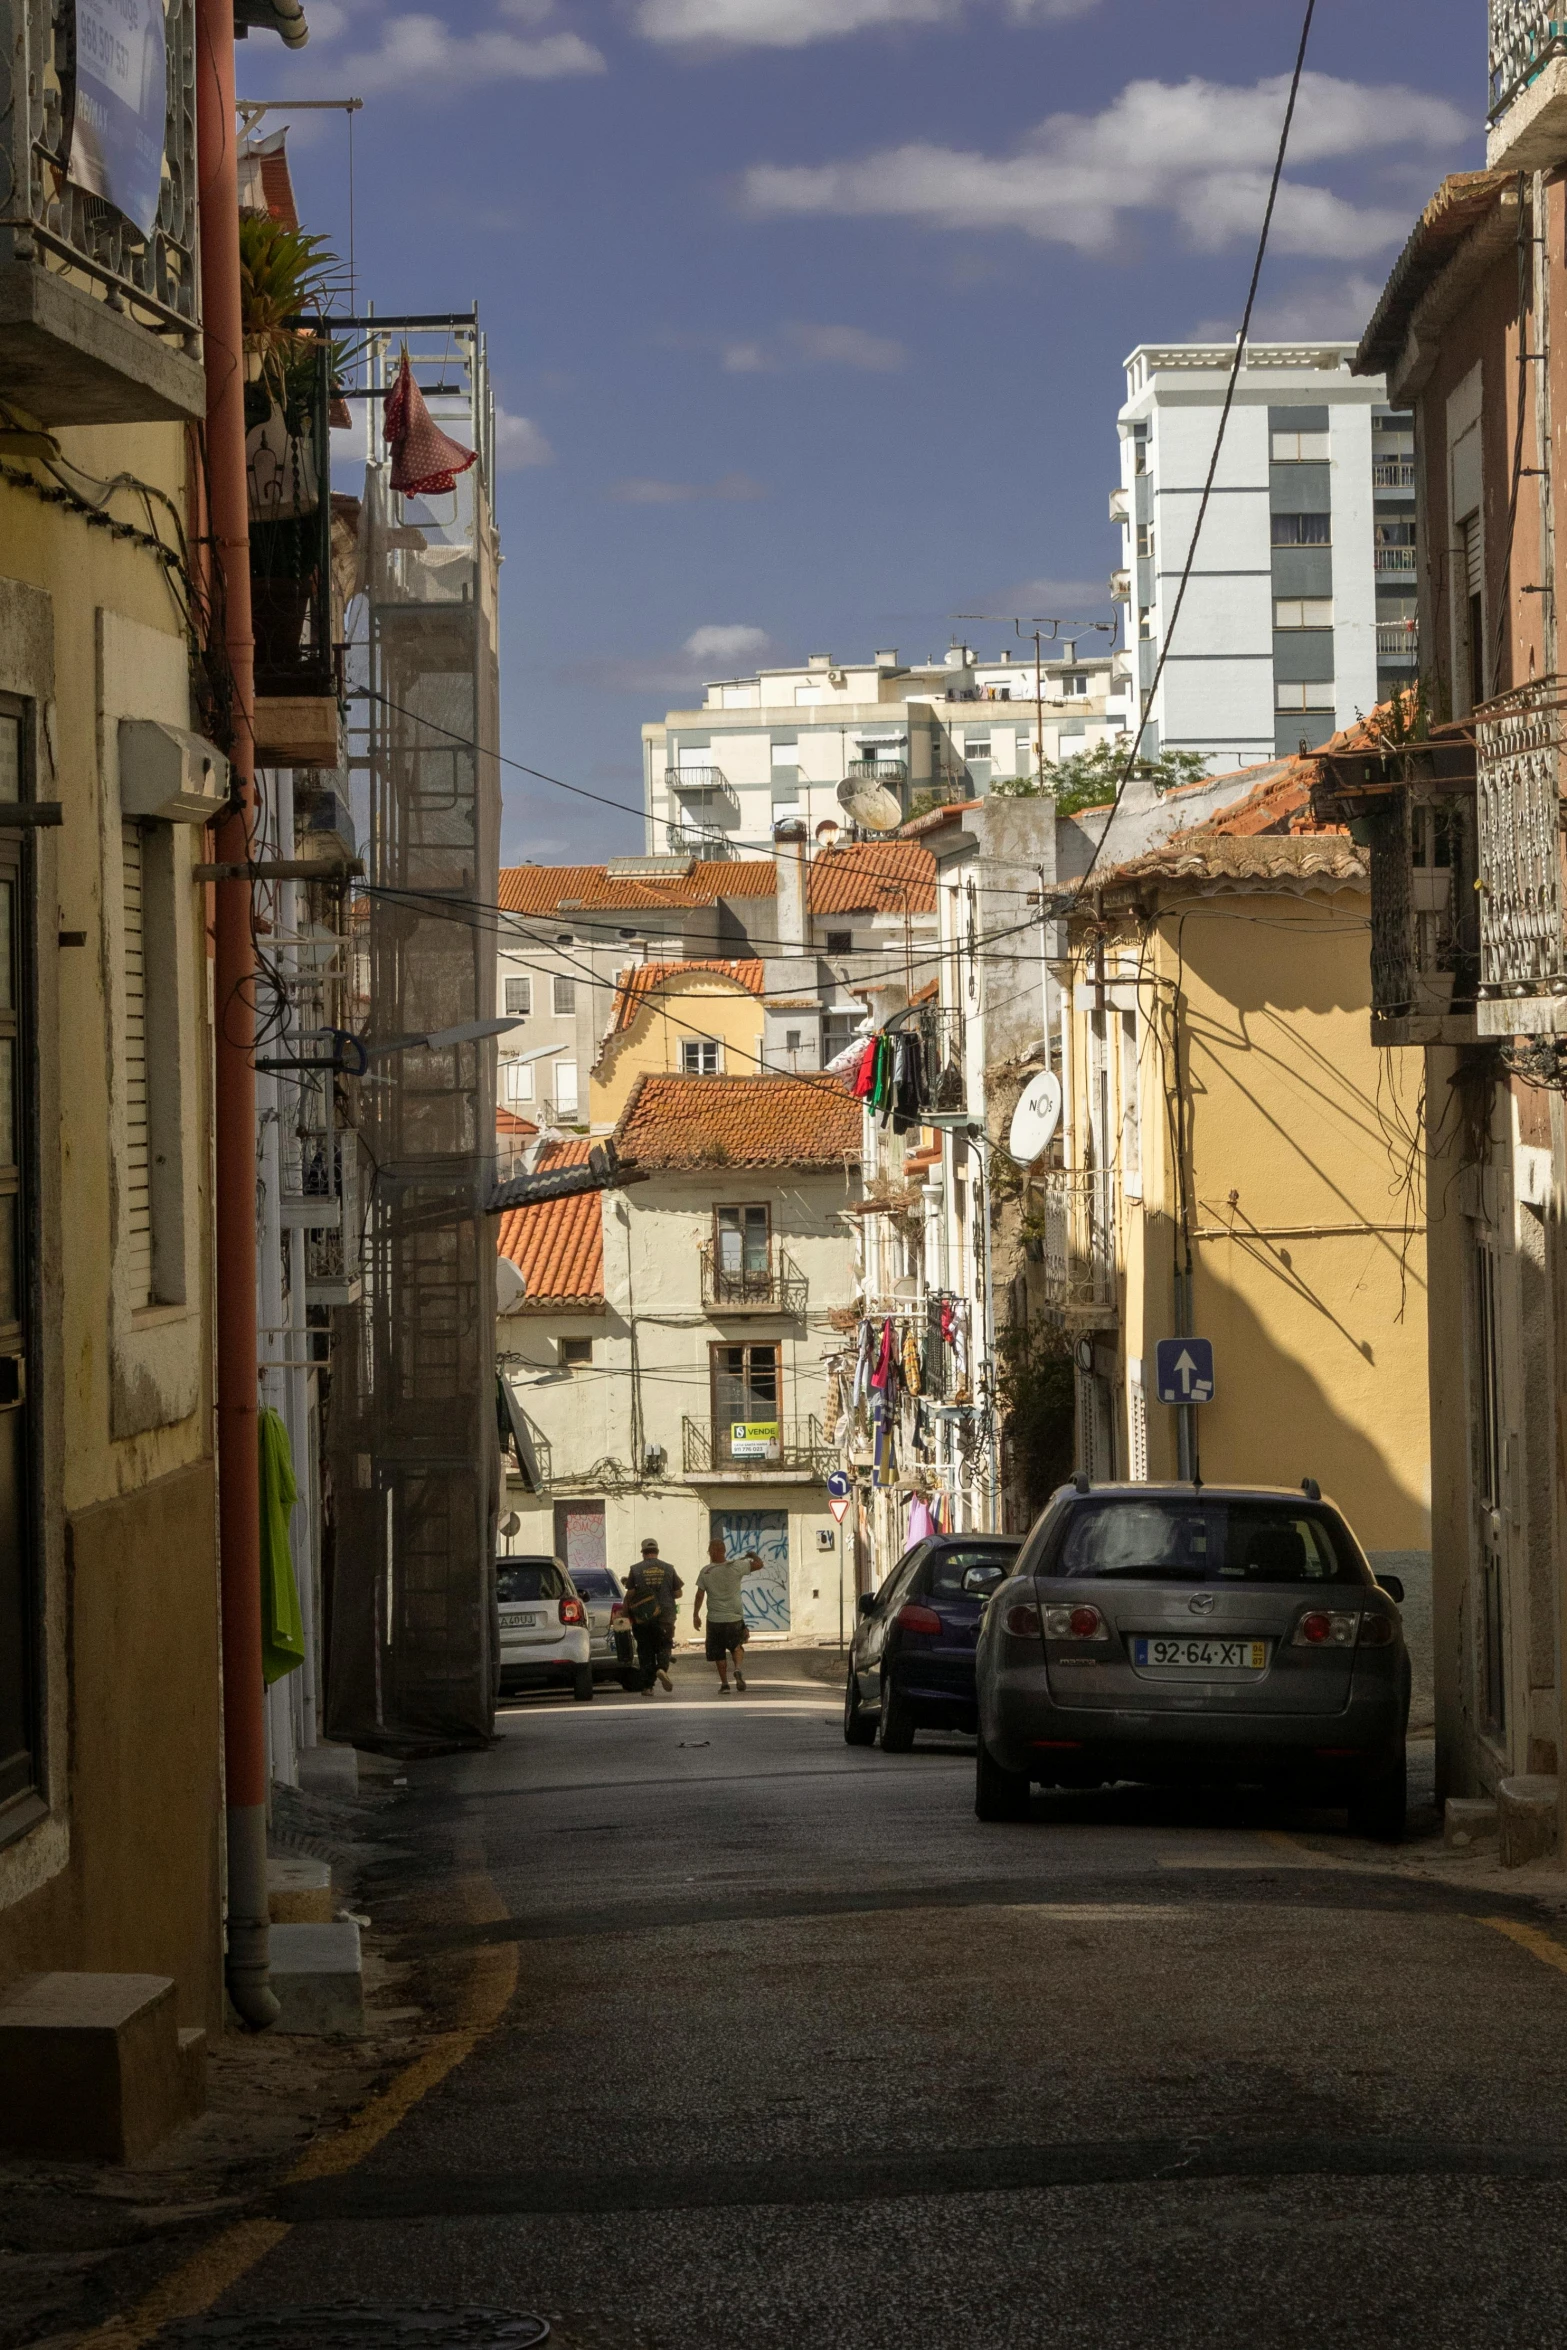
x=510 y=1287
x=870 y=804
x=1036 y=1117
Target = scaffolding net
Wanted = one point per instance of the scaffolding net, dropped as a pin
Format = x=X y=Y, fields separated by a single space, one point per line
x=411 y=1649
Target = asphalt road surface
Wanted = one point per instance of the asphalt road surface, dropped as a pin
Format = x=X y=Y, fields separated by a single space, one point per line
x=803 y=2054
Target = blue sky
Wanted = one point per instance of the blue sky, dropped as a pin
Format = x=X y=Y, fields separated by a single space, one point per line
x=807 y=317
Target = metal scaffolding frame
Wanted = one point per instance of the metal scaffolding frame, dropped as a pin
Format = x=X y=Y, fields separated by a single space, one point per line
x=412 y=1439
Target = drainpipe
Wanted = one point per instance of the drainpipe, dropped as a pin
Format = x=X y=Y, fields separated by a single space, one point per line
x=239 y=1473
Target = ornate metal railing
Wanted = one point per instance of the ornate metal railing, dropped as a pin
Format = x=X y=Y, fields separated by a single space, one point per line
x=1524 y=37
x=1080 y=1249
x=288 y=456
x=1424 y=923
x=892 y=772
x=711 y=1446
x=52 y=221
x=1518 y=758
x=709 y=787
x=778 y=1287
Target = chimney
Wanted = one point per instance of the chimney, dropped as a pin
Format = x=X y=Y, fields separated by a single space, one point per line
x=888 y=658
x=791 y=923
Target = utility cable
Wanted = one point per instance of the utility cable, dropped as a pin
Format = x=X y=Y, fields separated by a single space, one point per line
x=1147 y=700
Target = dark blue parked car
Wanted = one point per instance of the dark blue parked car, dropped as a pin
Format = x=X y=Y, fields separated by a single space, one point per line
x=911 y=1665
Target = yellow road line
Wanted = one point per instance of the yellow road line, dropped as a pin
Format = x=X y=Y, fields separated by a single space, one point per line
x=192 y=2288
x=1530 y=1938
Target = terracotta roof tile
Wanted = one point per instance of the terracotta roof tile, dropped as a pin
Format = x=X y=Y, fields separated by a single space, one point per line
x=739 y=1122
x=645 y=979
x=1463 y=201
x=565 y=1150
x=558 y=1247
x=542 y=889
x=508 y=1123
x=872 y=876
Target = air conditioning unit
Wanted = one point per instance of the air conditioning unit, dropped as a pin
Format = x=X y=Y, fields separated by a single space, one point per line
x=323 y=824
x=170 y=776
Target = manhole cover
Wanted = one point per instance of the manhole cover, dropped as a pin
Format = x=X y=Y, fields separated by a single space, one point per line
x=364 y=2325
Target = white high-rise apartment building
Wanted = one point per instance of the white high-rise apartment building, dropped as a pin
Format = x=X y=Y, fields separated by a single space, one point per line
x=1300 y=612
x=778 y=744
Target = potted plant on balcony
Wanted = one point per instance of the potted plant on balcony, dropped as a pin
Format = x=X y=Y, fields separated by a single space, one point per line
x=283 y=276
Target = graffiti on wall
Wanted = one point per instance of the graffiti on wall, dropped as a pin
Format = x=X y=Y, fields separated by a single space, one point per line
x=765 y=1591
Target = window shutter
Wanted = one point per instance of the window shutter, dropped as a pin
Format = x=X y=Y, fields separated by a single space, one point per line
x=137 y=1228
x=1474 y=555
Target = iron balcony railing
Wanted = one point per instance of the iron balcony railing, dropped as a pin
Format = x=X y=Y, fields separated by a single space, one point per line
x=689 y=840
x=709 y=787
x=289 y=476
x=778 y=1287
x=1399 y=560
x=1523 y=954
x=759 y=1446
x=940 y=1031
x=52 y=220
x=1080 y=1249
x=1393 y=473
x=892 y=772
x=1524 y=39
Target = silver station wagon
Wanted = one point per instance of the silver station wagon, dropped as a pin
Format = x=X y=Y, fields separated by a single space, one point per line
x=1203 y=1636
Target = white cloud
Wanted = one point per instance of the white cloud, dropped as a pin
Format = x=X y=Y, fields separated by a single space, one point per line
x=1334 y=310
x=718 y=642
x=419 y=52
x=1198 y=149
x=801 y=345
x=518 y=443
x=643 y=490
x=794 y=24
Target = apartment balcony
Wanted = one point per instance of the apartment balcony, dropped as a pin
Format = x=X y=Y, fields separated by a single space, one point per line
x=1414 y=811
x=894 y=773
x=1398 y=641
x=99 y=316
x=690 y=840
x=778 y=1287
x=1396 y=562
x=1120 y=587
x=1393 y=473
x=1080 y=1250
x=1527 y=106
x=707 y=789
x=1523 y=956
x=1120 y=506
x=732 y=1452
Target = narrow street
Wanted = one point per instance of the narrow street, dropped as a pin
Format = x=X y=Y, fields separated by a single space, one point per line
x=800 y=2053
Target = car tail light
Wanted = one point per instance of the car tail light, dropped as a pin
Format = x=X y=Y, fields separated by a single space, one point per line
x=1377 y=1631
x=1075 y=1623
x=914 y=1618
x=617 y=1608
x=1327 y=1628
x=571 y=1612
x=1022 y=1621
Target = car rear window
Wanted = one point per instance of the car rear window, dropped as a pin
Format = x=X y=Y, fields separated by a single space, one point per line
x=527 y=1579
x=1171 y=1539
x=594 y=1583
x=943 y=1578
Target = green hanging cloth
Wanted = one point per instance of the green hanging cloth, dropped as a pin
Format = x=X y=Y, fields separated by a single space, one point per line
x=282 y=1626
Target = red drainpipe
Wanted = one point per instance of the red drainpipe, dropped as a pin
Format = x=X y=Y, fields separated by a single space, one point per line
x=239 y=1472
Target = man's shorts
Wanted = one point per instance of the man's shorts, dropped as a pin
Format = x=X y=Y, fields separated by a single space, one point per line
x=721 y=1638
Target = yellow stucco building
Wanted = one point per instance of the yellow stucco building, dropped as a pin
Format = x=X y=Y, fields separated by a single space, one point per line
x=686 y=1019
x=1240 y=1164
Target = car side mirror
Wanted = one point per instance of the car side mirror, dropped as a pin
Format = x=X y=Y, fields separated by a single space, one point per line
x=867 y=1603
x=1393 y=1585
x=980 y=1582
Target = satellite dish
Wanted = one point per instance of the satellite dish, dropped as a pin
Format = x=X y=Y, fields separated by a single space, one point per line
x=510 y=1287
x=1036 y=1117
x=870 y=804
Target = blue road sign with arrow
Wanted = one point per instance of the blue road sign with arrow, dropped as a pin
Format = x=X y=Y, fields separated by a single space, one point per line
x=1184 y=1370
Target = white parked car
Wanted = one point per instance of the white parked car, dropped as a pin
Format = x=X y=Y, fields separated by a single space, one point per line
x=613 y=1649
x=545 y=1639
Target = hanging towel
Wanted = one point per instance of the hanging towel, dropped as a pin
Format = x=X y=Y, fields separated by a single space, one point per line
x=921 y=1524
x=425 y=460
x=946 y=1319
x=282 y=1626
x=864 y=1080
x=881 y=1376
x=864 y=1362
x=911 y=1360
x=885 y=1453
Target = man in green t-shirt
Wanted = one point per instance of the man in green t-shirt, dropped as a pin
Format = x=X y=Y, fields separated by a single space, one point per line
x=719 y=1584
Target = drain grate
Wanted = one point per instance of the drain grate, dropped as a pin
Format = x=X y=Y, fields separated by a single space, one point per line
x=362 y=2325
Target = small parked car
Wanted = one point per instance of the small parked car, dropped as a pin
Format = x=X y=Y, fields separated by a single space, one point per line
x=911 y=1662
x=1186 y=1635
x=612 y=1648
x=545 y=1642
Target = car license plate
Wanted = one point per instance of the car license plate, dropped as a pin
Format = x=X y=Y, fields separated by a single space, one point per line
x=1212 y=1656
x=514 y=1622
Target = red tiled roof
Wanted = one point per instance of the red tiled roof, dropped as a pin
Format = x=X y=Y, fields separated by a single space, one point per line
x=508 y=1123
x=543 y=889
x=1465 y=201
x=872 y=877
x=558 y=1244
x=639 y=983
x=739 y=1122
x=565 y=1150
